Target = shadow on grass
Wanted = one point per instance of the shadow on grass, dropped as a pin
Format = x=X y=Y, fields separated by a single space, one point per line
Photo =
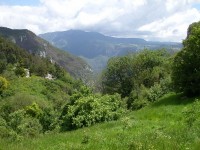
x=173 y=99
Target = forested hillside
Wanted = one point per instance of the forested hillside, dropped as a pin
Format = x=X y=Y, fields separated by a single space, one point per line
x=33 y=44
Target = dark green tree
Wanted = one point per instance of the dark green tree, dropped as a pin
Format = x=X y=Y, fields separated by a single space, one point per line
x=128 y=73
x=117 y=76
x=186 y=66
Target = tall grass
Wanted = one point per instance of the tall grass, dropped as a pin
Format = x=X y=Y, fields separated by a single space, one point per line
x=161 y=125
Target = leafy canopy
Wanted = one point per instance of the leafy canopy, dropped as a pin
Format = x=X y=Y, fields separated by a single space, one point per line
x=186 y=66
x=127 y=73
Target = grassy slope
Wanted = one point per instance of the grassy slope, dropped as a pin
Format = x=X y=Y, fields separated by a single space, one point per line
x=159 y=126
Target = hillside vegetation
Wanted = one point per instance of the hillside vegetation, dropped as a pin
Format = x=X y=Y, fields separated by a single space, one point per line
x=145 y=100
x=170 y=123
x=33 y=44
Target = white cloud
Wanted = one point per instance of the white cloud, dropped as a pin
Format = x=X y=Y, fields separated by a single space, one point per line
x=173 y=27
x=150 y=19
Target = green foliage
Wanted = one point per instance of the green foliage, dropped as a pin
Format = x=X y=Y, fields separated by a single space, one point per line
x=124 y=74
x=138 y=99
x=2 y=65
x=15 y=119
x=117 y=76
x=33 y=110
x=150 y=66
x=59 y=72
x=49 y=119
x=24 y=125
x=19 y=71
x=3 y=84
x=4 y=131
x=142 y=77
x=20 y=101
x=142 y=97
x=30 y=127
x=158 y=90
x=92 y=109
x=192 y=114
x=31 y=106
x=186 y=67
x=161 y=125
x=12 y=54
x=82 y=91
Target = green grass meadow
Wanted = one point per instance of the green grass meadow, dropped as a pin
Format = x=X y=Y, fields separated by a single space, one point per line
x=159 y=126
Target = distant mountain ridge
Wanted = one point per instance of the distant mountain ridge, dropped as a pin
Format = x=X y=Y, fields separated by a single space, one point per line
x=88 y=44
x=29 y=41
x=93 y=45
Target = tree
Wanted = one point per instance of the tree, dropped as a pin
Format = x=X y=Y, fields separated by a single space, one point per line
x=186 y=66
x=131 y=72
x=117 y=77
x=150 y=66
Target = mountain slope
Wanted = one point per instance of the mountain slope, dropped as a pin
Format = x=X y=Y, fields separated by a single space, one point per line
x=37 y=46
x=91 y=45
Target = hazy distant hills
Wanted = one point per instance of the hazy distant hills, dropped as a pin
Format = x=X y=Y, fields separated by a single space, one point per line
x=27 y=40
x=97 y=48
x=90 y=44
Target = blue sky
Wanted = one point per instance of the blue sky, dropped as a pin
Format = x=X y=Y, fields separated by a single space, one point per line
x=160 y=20
x=20 y=2
x=37 y=2
x=196 y=5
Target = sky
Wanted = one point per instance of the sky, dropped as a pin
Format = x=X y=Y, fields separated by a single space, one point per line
x=155 y=20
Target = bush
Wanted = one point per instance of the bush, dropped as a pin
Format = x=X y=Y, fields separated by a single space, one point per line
x=3 y=84
x=192 y=114
x=33 y=110
x=4 y=131
x=83 y=91
x=92 y=109
x=49 y=120
x=139 y=103
x=23 y=124
x=158 y=90
x=15 y=119
x=142 y=96
x=30 y=127
x=138 y=98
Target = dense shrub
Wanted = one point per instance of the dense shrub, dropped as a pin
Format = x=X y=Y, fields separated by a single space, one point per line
x=191 y=114
x=92 y=109
x=158 y=90
x=49 y=119
x=4 y=131
x=33 y=110
x=3 y=84
x=138 y=99
x=22 y=123
x=143 y=95
x=29 y=127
